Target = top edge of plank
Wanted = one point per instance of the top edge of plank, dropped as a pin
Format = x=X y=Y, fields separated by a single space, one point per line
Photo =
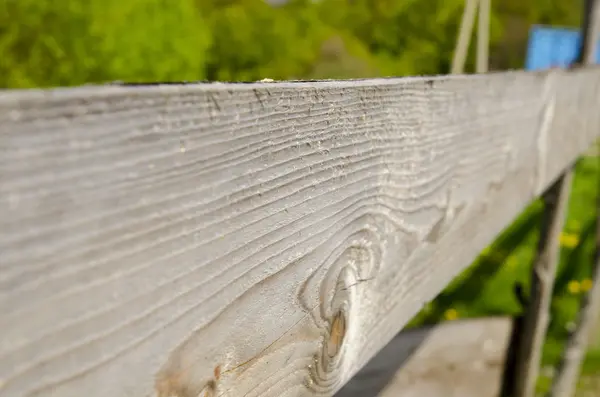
x=123 y=88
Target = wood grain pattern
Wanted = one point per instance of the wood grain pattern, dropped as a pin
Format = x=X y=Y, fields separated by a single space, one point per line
x=255 y=239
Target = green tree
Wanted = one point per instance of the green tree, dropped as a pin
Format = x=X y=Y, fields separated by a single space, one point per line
x=254 y=40
x=71 y=42
x=406 y=37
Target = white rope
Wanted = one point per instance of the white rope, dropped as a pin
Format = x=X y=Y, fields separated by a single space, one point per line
x=464 y=37
x=483 y=37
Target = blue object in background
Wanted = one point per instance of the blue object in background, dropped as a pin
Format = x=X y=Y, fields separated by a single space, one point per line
x=553 y=47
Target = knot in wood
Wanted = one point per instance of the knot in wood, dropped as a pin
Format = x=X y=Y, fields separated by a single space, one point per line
x=337 y=331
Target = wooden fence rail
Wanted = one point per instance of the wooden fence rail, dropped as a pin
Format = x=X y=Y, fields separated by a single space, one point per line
x=258 y=239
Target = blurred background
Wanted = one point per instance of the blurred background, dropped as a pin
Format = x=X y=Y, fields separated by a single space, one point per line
x=69 y=42
x=46 y=43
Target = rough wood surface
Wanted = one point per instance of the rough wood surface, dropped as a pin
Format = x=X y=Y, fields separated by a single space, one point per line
x=454 y=359
x=255 y=239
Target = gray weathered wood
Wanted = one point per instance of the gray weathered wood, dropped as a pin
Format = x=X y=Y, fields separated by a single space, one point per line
x=453 y=359
x=255 y=239
x=543 y=275
x=565 y=382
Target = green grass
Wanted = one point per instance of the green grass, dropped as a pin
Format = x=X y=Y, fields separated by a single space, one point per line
x=486 y=288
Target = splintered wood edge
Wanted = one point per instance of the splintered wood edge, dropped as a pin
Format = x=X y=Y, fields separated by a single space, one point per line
x=258 y=239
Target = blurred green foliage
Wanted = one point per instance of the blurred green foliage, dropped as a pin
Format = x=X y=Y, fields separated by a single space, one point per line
x=70 y=42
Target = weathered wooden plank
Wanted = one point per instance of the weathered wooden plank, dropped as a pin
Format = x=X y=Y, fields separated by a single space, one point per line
x=255 y=239
x=543 y=274
x=453 y=359
x=564 y=384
